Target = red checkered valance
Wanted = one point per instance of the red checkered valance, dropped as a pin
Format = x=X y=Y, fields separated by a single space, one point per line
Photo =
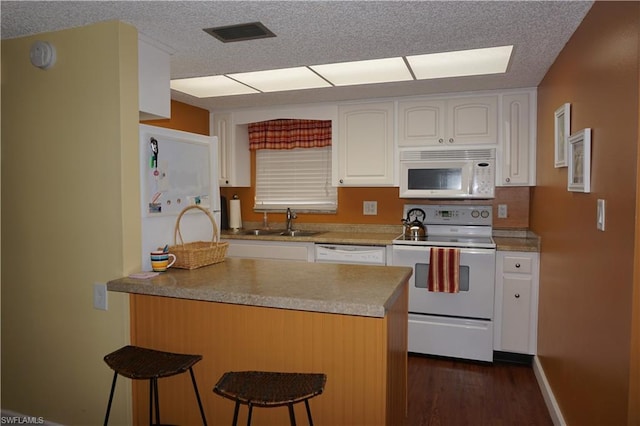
x=289 y=134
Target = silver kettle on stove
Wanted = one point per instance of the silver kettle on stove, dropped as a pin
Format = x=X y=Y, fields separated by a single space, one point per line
x=413 y=224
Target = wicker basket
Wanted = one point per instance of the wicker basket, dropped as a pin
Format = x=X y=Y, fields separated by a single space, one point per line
x=200 y=253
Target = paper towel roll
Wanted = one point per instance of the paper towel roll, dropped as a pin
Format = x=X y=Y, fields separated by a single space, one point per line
x=235 y=216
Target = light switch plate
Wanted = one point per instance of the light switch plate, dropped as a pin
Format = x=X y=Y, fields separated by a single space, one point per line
x=100 y=296
x=600 y=215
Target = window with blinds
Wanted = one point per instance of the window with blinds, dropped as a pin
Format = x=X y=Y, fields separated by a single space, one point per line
x=298 y=178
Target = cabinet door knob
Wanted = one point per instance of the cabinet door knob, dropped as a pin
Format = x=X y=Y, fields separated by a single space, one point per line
x=517 y=265
x=508 y=180
x=450 y=140
x=517 y=296
x=440 y=140
x=341 y=181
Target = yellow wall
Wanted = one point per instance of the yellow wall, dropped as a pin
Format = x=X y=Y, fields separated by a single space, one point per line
x=587 y=276
x=70 y=218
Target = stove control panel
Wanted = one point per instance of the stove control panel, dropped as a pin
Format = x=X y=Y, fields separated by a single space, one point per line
x=441 y=214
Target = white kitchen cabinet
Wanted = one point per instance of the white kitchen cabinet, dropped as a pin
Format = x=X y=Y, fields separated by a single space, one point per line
x=448 y=122
x=365 y=150
x=154 y=99
x=234 y=160
x=516 y=302
x=297 y=251
x=517 y=150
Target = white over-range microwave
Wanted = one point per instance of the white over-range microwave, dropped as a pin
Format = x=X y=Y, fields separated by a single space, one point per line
x=456 y=174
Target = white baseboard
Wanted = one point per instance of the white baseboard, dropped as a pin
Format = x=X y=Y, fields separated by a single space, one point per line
x=547 y=394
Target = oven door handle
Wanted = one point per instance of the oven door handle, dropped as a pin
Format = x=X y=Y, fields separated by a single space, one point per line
x=463 y=250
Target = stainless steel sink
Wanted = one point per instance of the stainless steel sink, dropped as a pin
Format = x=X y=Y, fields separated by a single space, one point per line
x=296 y=233
x=262 y=232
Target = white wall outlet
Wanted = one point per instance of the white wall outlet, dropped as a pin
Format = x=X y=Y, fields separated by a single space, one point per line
x=502 y=211
x=100 y=296
x=370 y=208
x=600 y=214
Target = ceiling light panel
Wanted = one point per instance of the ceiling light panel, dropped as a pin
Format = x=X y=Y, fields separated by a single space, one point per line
x=208 y=87
x=492 y=60
x=365 y=72
x=282 y=79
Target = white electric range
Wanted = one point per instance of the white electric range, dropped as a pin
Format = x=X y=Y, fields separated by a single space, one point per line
x=458 y=324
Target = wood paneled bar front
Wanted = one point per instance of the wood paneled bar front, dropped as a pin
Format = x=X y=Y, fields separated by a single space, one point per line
x=347 y=321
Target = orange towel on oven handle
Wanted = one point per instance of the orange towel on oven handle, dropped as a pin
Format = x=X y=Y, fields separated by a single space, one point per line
x=444 y=270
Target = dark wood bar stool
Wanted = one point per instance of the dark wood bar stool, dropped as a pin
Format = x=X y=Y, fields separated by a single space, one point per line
x=270 y=389
x=139 y=363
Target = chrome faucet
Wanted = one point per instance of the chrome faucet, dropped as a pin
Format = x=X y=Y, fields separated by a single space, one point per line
x=290 y=216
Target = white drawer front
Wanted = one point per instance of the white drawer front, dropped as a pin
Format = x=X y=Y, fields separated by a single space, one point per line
x=517 y=264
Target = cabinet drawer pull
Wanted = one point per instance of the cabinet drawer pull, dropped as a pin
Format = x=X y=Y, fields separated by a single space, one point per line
x=517 y=295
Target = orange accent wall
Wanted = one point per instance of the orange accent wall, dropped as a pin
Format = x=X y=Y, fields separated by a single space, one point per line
x=587 y=278
x=184 y=117
x=390 y=206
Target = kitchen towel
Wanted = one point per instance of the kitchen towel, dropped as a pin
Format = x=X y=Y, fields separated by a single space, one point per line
x=444 y=270
x=235 y=216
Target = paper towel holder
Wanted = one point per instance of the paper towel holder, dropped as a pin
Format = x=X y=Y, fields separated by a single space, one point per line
x=235 y=214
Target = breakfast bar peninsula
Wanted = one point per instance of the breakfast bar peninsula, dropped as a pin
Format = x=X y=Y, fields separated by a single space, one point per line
x=347 y=321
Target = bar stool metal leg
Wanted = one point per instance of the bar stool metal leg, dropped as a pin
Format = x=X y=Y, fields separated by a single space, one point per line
x=157 y=401
x=250 y=412
x=195 y=389
x=113 y=388
x=306 y=403
x=150 y=402
x=235 y=413
x=292 y=416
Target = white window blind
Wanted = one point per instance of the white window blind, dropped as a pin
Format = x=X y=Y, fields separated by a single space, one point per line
x=298 y=178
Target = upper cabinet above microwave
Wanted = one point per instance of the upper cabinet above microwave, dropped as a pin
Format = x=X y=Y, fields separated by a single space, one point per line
x=448 y=122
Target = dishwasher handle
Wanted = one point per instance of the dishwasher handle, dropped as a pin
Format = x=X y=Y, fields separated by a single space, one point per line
x=336 y=253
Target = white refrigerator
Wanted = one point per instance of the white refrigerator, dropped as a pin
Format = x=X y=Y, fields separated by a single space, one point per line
x=177 y=169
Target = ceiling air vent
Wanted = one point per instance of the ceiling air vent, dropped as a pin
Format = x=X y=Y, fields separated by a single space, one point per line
x=240 y=32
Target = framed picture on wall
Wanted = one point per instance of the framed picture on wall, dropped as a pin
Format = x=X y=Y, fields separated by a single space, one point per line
x=562 y=129
x=579 y=159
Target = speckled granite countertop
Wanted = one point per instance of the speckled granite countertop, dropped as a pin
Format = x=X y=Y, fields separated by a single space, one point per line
x=318 y=287
x=506 y=240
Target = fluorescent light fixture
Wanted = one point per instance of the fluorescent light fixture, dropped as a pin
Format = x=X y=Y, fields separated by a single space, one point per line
x=282 y=79
x=365 y=72
x=207 y=87
x=492 y=60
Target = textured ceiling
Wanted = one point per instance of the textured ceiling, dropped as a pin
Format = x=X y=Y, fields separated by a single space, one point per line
x=316 y=32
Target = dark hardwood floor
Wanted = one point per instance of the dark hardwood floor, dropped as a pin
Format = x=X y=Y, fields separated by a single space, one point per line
x=448 y=392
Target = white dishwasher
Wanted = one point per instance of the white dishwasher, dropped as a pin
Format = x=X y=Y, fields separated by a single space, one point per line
x=343 y=253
